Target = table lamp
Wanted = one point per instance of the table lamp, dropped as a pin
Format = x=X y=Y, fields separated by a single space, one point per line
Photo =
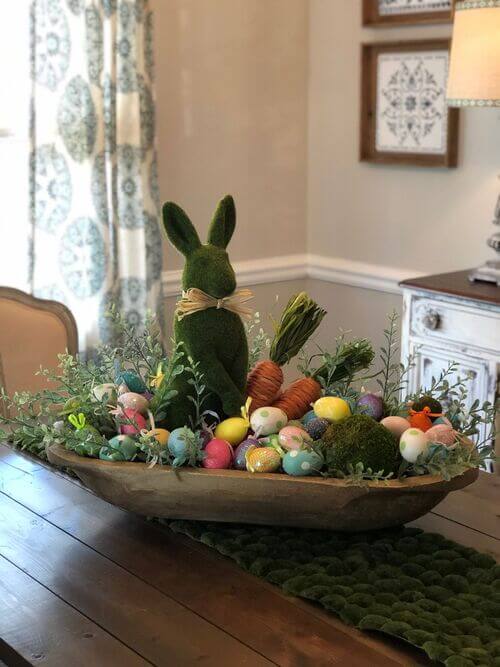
x=474 y=80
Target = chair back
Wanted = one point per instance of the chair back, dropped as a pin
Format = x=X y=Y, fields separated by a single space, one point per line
x=32 y=333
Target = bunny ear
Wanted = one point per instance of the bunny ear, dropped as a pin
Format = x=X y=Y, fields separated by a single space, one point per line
x=223 y=223
x=180 y=230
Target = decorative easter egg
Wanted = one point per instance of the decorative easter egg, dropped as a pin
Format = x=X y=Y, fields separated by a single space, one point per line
x=442 y=420
x=134 y=401
x=442 y=433
x=137 y=422
x=178 y=441
x=371 y=405
x=107 y=454
x=125 y=444
x=265 y=421
x=161 y=435
x=412 y=443
x=309 y=416
x=218 y=454
x=316 y=427
x=429 y=404
x=133 y=381
x=105 y=391
x=262 y=459
x=292 y=437
x=240 y=462
x=233 y=430
x=58 y=425
x=302 y=462
x=332 y=408
x=396 y=425
x=421 y=421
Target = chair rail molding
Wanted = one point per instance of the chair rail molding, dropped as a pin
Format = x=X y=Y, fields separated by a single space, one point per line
x=300 y=266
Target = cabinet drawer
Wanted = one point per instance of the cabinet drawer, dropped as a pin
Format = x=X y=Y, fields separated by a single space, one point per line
x=448 y=321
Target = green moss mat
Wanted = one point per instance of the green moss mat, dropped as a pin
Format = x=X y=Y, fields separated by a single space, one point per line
x=439 y=596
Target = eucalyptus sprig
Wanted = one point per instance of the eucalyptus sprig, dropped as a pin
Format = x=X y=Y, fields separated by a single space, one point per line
x=258 y=340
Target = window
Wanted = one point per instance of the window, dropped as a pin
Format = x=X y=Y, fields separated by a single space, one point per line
x=14 y=143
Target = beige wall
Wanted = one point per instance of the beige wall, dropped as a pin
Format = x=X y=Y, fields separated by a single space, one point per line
x=231 y=83
x=428 y=220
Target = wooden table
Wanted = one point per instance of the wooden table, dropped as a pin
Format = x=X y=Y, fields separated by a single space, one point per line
x=85 y=583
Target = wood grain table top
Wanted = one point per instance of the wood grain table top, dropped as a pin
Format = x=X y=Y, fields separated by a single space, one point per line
x=456 y=284
x=85 y=583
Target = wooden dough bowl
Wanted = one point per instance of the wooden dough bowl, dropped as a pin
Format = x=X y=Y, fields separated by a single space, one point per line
x=273 y=499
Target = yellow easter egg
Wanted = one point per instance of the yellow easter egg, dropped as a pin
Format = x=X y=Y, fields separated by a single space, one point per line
x=233 y=430
x=332 y=408
x=160 y=434
x=262 y=459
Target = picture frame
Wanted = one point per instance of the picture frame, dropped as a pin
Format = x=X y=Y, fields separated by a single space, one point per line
x=404 y=116
x=406 y=12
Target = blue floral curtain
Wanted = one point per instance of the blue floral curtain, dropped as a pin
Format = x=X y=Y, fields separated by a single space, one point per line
x=94 y=198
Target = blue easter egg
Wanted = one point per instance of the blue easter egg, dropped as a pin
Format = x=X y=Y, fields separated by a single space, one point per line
x=302 y=462
x=133 y=381
x=308 y=417
x=178 y=441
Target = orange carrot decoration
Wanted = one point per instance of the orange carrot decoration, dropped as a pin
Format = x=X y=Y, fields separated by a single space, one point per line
x=347 y=359
x=300 y=319
x=296 y=400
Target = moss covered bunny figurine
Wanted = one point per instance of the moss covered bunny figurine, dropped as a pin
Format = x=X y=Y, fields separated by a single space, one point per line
x=214 y=337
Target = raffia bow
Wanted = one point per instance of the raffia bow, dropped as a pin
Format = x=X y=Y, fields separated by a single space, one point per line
x=193 y=300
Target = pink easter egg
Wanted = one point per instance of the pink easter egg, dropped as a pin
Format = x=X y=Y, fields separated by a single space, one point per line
x=218 y=454
x=138 y=422
x=442 y=433
x=396 y=425
x=293 y=437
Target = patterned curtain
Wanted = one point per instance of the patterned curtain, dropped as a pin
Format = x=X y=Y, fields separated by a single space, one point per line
x=94 y=198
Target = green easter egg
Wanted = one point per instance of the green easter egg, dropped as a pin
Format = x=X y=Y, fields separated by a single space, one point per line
x=125 y=445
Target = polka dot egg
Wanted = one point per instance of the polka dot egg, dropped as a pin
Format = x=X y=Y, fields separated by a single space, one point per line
x=293 y=437
x=300 y=463
x=413 y=442
x=265 y=421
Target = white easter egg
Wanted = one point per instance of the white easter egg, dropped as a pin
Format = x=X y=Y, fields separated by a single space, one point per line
x=412 y=443
x=134 y=401
x=265 y=421
x=108 y=389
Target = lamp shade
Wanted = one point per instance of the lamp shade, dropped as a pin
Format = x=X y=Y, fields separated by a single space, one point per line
x=474 y=75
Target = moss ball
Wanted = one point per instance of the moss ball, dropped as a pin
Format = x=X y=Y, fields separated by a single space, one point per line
x=428 y=402
x=361 y=439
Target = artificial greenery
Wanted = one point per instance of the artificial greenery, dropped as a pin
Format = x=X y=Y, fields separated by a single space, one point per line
x=440 y=596
x=68 y=411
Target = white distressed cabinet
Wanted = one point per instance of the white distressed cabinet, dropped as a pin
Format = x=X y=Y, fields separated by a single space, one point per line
x=445 y=319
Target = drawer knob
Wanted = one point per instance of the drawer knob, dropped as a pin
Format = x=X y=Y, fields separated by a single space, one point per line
x=431 y=320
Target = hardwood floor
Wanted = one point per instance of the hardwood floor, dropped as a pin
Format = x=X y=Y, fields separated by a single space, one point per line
x=85 y=583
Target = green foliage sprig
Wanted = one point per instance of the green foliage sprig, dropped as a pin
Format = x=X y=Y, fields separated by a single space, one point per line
x=258 y=340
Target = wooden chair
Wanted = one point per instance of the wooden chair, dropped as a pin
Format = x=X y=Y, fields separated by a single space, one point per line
x=32 y=333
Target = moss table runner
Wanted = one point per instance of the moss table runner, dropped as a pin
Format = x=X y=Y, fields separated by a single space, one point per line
x=433 y=593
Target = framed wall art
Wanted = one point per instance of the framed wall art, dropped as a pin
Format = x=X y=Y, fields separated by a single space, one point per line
x=404 y=115
x=384 y=12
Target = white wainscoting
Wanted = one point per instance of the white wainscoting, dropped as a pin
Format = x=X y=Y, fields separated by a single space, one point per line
x=296 y=267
